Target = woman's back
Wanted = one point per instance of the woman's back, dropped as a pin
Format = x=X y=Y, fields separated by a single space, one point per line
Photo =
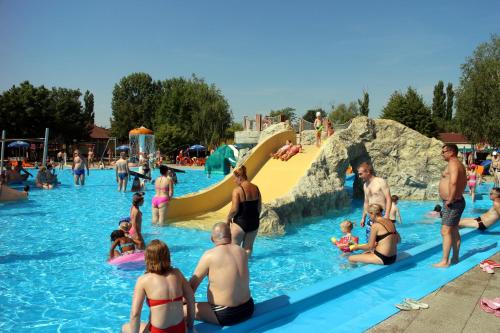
x=162 y=185
x=164 y=295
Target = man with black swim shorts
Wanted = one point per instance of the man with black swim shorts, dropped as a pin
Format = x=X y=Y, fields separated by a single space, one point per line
x=451 y=189
x=228 y=293
x=487 y=219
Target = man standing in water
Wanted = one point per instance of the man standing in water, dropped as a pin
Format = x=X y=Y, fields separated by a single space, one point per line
x=451 y=189
x=122 y=173
x=78 y=168
x=376 y=192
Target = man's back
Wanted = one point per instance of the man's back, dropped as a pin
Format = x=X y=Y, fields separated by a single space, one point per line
x=228 y=275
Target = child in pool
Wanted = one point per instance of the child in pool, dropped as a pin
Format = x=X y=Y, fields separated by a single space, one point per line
x=125 y=244
x=394 y=213
x=347 y=240
x=436 y=213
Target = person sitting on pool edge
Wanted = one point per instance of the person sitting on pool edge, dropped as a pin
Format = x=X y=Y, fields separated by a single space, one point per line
x=487 y=219
x=383 y=240
x=165 y=289
x=228 y=292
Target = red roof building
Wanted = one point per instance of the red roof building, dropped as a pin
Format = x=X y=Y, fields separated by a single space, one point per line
x=455 y=138
x=99 y=133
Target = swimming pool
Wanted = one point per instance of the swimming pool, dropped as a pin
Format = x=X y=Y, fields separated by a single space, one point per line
x=53 y=274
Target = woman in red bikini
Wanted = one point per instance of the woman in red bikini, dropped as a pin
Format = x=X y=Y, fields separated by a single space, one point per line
x=164 y=289
x=164 y=188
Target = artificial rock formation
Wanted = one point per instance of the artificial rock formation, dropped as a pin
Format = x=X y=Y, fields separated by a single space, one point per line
x=409 y=161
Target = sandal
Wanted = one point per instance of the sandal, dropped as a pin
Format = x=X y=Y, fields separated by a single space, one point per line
x=404 y=306
x=415 y=303
x=488 y=269
x=485 y=307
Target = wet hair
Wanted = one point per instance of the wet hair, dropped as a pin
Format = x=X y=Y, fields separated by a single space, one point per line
x=394 y=198
x=157 y=256
x=451 y=147
x=374 y=209
x=367 y=166
x=117 y=234
x=437 y=208
x=26 y=188
x=137 y=198
x=163 y=170
x=347 y=224
x=241 y=172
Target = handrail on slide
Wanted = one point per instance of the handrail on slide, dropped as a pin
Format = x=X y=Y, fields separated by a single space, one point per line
x=219 y=195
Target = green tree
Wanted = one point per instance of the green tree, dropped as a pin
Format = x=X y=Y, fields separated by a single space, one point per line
x=342 y=113
x=439 y=101
x=478 y=95
x=410 y=110
x=310 y=115
x=191 y=111
x=364 y=108
x=288 y=113
x=88 y=102
x=450 y=94
x=135 y=100
x=28 y=110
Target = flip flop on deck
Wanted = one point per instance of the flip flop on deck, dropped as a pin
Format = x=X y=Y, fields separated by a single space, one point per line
x=416 y=304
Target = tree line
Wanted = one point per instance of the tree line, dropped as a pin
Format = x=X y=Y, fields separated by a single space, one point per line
x=180 y=111
x=184 y=111
x=26 y=110
x=476 y=102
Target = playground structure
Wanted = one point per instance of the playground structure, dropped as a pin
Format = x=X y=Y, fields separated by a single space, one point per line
x=141 y=143
x=45 y=141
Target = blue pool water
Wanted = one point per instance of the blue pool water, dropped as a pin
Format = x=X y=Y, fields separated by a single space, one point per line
x=53 y=274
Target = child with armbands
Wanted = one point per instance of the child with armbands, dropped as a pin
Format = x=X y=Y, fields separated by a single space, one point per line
x=346 y=241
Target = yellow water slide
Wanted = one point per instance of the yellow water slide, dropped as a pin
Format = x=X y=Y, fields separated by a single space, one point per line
x=274 y=178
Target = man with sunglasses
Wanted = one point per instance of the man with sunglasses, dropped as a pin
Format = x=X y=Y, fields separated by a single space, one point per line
x=451 y=189
x=487 y=219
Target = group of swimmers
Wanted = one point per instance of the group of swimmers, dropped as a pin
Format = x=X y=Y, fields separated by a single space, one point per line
x=167 y=292
x=381 y=209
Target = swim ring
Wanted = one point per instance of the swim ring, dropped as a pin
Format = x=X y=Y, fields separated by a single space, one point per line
x=136 y=257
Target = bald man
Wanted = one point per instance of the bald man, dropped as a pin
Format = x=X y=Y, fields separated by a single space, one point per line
x=226 y=265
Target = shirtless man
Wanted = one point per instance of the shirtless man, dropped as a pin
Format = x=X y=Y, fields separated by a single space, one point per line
x=78 y=168
x=60 y=160
x=122 y=173
x=226 y=266
x=489 y=218
x=451 y=189
x=495 y=168
x=376 y=192
x=292 y=151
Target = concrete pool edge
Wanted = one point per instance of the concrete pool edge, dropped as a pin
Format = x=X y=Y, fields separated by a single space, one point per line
x=298 y=301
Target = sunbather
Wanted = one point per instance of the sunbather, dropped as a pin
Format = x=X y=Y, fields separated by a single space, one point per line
x=293 y=150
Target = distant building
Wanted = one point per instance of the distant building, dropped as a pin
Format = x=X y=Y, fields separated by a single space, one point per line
x=456 y=138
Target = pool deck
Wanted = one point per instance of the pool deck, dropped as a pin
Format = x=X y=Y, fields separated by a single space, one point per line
x=452 y=308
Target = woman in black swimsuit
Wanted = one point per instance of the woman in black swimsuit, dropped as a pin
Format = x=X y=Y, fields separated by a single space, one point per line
x=383 y=240
x=245 y=211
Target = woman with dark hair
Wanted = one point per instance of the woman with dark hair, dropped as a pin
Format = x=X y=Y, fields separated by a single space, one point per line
x=165 y=289
x=383 y=241
x=244 y=216
x=126 y=245
x=136 y=218
x=164 y=189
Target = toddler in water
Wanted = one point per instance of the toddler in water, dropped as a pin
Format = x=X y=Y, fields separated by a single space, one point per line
x=347 y=240
x=395 y=210
x=436 y=212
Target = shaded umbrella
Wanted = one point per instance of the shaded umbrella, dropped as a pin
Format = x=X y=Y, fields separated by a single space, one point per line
x=19 y=145
x=197 y=148
x=123 y=147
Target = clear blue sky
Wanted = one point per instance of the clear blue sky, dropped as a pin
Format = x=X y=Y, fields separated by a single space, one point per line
x=262 y=55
